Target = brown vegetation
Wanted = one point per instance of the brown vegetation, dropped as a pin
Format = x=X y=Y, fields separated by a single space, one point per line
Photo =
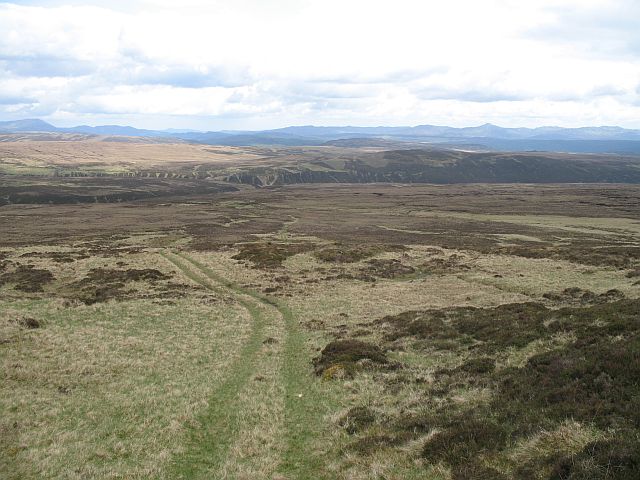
x=347 y=354
x=103 y=284
x=269 y=254
x=27 y=278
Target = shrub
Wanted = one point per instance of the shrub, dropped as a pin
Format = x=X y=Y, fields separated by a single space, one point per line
x=356 y=419
x=268 y=254
x=30 y=323
x=614 y=459
x=464 y=441
x=347 y=353
x=27 y=279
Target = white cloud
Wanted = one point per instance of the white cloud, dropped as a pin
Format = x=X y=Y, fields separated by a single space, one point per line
x=235 y=63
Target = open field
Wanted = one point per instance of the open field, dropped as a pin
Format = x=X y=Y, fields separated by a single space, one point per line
x=347 y=331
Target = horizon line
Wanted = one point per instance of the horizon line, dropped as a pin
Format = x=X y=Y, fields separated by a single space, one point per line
x=315 y=126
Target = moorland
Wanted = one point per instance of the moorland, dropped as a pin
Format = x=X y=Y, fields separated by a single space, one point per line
x=171 y=310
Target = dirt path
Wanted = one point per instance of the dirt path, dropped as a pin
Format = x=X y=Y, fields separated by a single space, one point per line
x=292 y=426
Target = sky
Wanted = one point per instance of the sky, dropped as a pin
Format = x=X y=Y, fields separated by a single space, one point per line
x=259 y=64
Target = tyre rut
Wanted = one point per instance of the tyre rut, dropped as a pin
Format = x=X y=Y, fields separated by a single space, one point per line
x=220 y=423
x=304 y=408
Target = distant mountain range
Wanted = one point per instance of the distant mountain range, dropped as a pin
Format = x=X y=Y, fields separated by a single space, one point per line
x=484 y=137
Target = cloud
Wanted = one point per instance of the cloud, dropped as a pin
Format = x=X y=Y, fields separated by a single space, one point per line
x=602 y=28
x=15 y=100
x=185 y=76
x=46 y=66
x=219 y=63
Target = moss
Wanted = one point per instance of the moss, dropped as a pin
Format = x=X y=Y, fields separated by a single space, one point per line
x=335 y=371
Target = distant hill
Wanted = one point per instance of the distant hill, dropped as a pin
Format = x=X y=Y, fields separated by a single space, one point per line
x=79 y=137
x=486 y=137
x=115 y=130
x=484 y=131
x=45 y=137
x=27 y=125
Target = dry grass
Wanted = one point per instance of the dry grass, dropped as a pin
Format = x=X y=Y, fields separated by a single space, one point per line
x=109 y=390
x=536 y=276
x=120 y=389
x=259 y=446
x=117 y=156
x=569 y=438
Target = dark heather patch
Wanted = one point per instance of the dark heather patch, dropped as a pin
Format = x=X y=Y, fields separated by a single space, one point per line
x=615 y=459
x=346 y=353
x=386 y=268
x=592 y=380
x=269 y=255
x=372 y=443
x=577 y=295
x=26 y=278
x=103 y=284
x=357 y=419
x=464 y=440
x=353 y=253
x=58 y=257
x=29 y=323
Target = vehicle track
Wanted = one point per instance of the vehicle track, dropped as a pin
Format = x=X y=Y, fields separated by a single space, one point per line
x=208 y=445
x=303 y=405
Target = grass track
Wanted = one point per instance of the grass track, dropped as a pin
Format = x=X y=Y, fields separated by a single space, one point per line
x=220 y=423
x=304 y=405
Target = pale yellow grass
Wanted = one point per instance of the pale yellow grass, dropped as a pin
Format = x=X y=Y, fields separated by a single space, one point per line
x=363 y=302
x=569 y=438
x=594 y=225
x=119 y=154
x=536 y=276
x=108 y=391
x=518 y=357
